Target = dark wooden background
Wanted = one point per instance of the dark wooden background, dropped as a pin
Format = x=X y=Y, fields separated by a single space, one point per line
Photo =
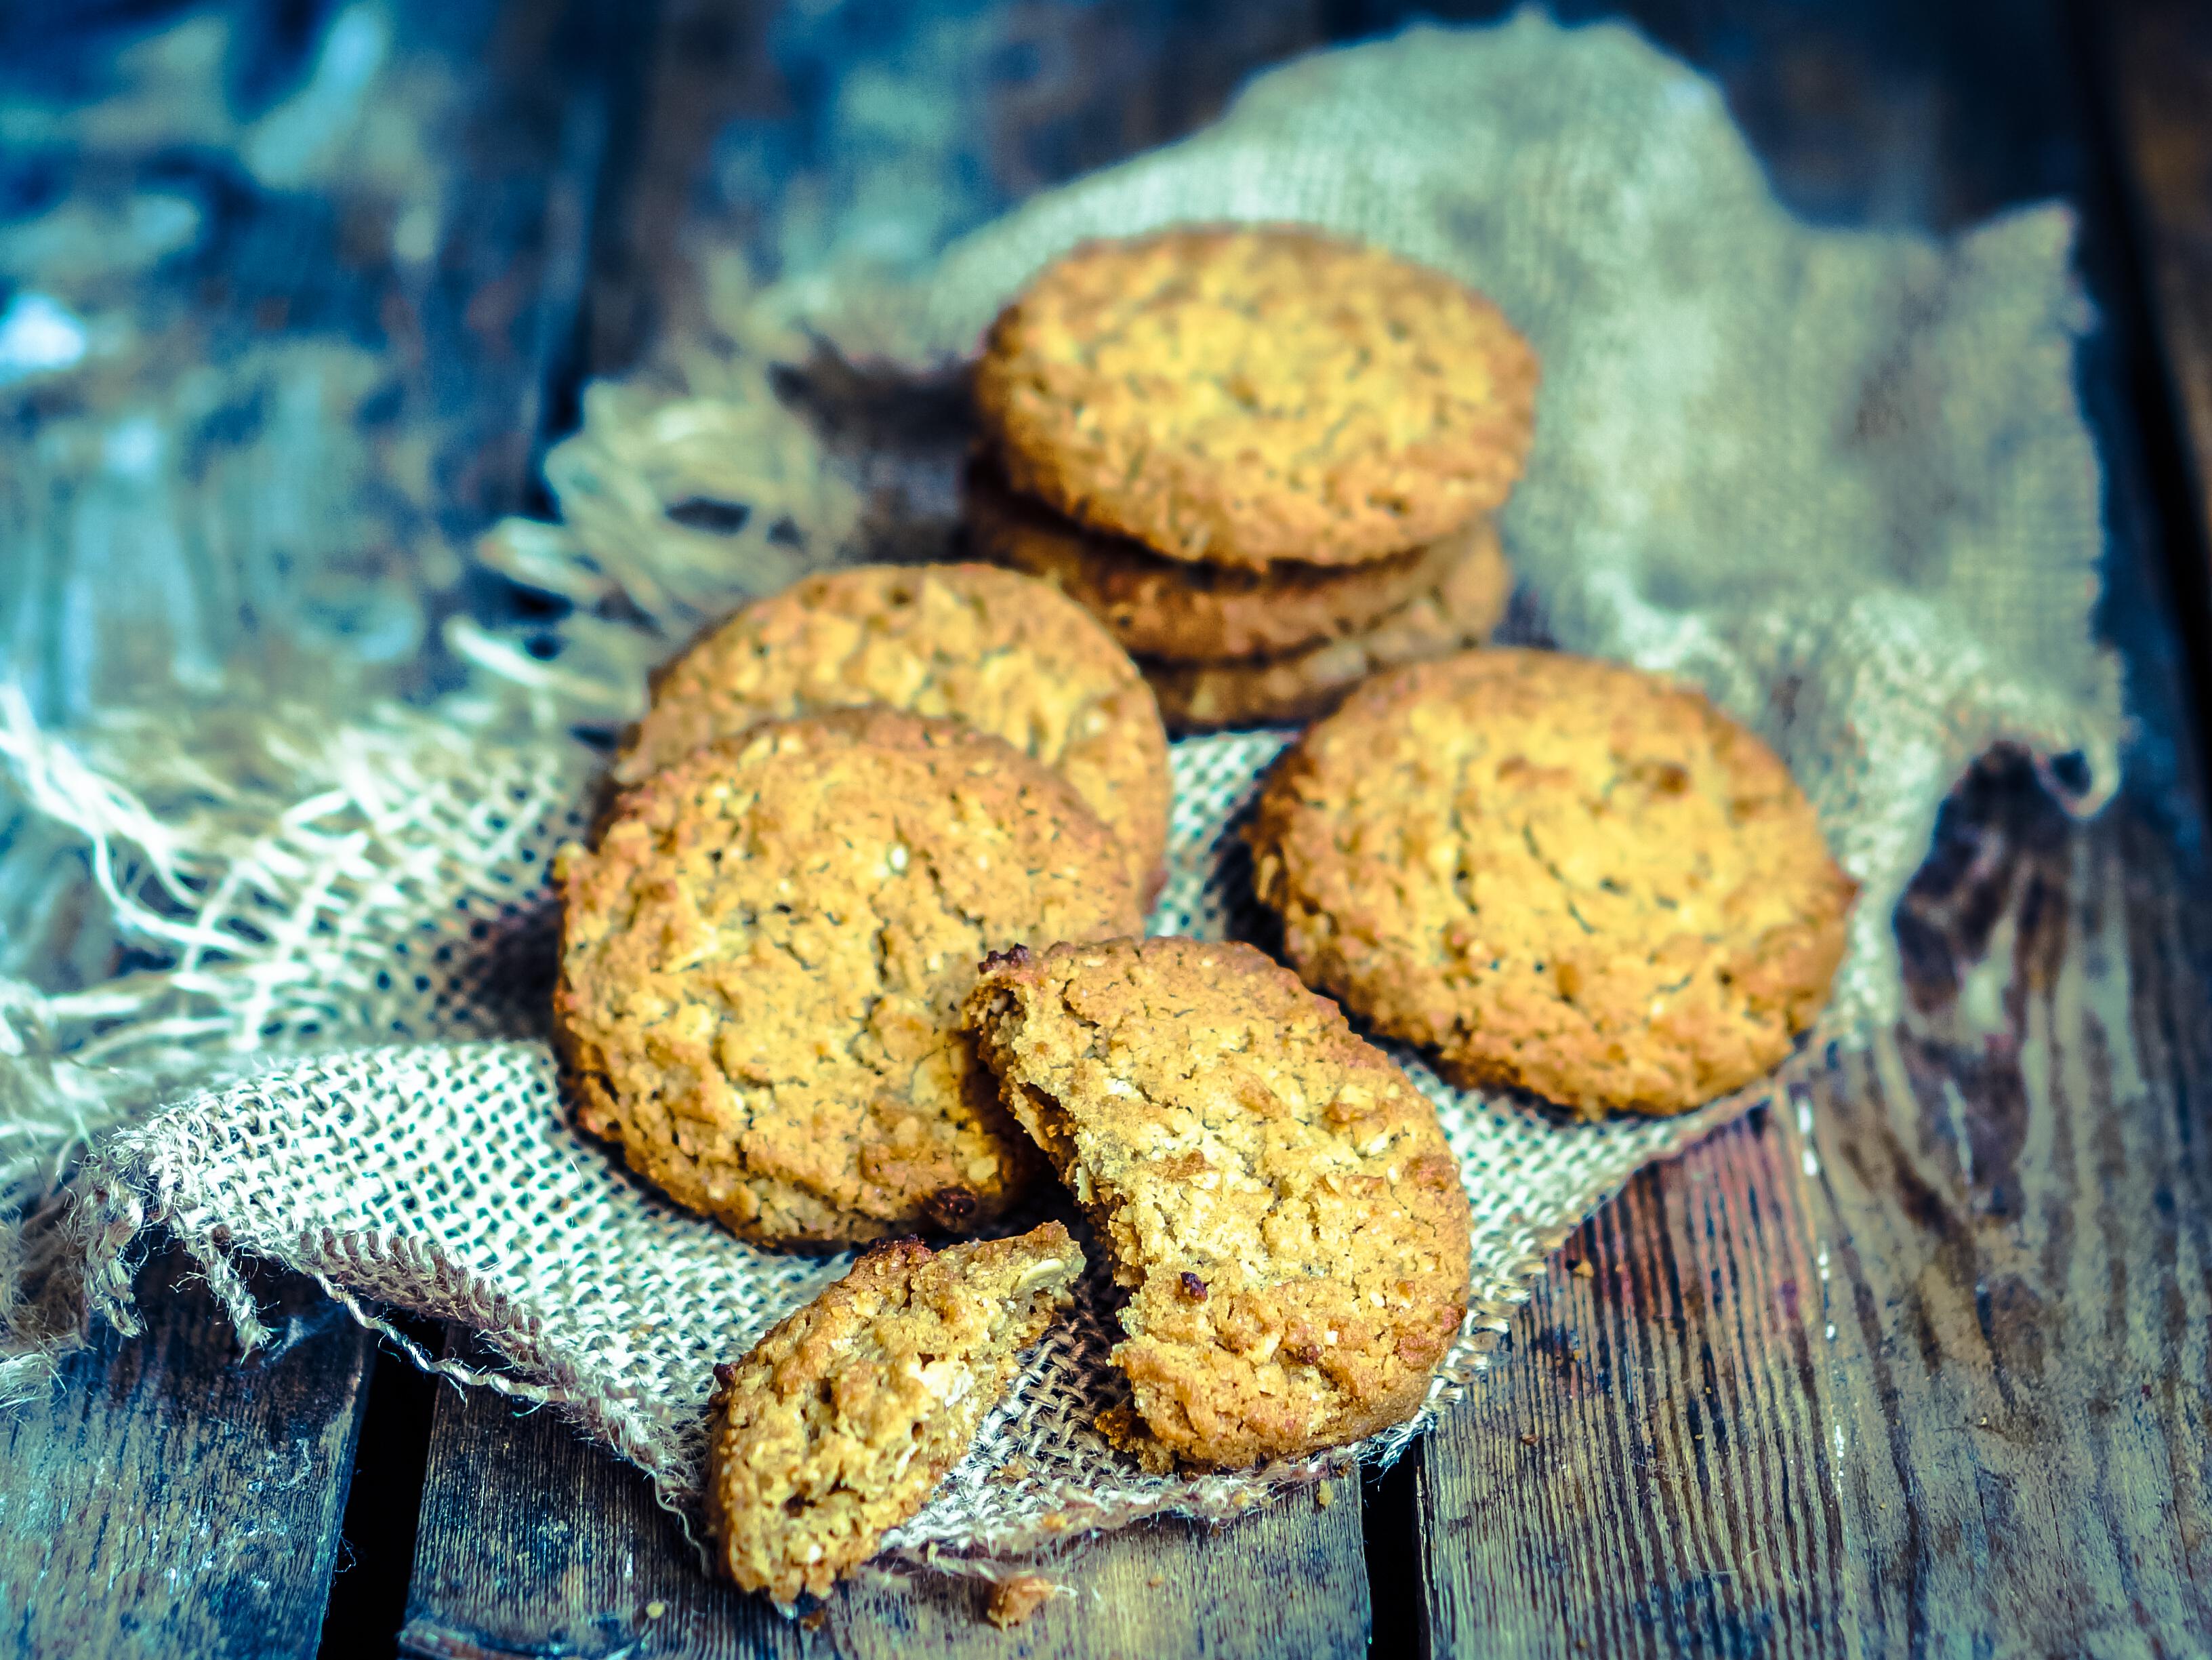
x=1920 y=1368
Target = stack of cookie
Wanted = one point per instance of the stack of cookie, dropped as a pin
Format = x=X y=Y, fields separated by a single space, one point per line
x=1264 y=458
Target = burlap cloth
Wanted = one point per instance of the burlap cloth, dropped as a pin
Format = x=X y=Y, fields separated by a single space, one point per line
x=1840 y=479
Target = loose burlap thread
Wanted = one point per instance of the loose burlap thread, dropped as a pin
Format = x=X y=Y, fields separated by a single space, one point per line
x=1839 y=479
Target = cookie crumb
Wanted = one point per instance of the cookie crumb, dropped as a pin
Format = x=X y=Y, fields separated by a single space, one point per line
x=1054 y=1521
x=1583 y=1270
x=655 y=1610
x=1155 y=1582
x=952 y=1209
x=1529 y=1438
x=1324 y=1495
x=1013 y=1601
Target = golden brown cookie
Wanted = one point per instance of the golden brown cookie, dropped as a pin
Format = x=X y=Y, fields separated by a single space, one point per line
x=998 y=650
x=1278 y=1197
x=1459 y=610
x=763 y=959
x=840 y=1422
x=1183 y=613
x=1560 y=875
x=1247 y=395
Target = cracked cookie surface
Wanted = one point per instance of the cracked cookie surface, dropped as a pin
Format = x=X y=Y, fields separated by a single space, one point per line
x=1458 y=608
x=1179 y=611
x=1246 y=395
x=840 y=1422
x=763 y=957
x=1559 y=875
x=1279 y=1200
x=1001 y=650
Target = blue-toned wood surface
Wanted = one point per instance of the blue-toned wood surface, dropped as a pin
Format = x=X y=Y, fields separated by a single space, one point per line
x=1929 y=1376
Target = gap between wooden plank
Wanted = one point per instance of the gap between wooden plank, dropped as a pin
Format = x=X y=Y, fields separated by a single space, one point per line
x=1955 y=1388
x=2147 y=75
x=536 y=1541
x=168 y=1500
x=203 y=1500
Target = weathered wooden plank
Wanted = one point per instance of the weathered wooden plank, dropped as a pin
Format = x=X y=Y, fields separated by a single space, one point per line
x=1646 y=1469
x=323 y=381
x=764 y=128
x=2160 y=66
x=535 y=1542
x=1937 y=1376
x=168 y=1501
x=1851 y=104
x=2018 y=1220
x=319 y=266
x=2153 y=62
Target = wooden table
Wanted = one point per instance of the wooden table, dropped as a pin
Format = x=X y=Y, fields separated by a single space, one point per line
x=1934 y=1377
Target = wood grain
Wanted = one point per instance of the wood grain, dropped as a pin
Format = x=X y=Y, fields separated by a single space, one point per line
x=2150 y=67
x=322 y=392
x=761 y=128
x=166 y=1499
x=1935 y=1377
x=2161 y=82
x=328 y=378
x=1896 y=112
x=534 y=1541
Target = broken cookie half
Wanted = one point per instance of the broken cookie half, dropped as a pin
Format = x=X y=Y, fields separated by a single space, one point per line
x=841 y=1420
x=1278 y=1199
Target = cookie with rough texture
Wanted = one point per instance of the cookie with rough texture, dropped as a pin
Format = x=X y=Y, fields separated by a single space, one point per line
x=1001 y=650
x=1277 y=1196
x=1458 y=610
x=1184 y=613
x=1246 y=395
x=763 y=957
x=840 y=1422
x=1559 y=875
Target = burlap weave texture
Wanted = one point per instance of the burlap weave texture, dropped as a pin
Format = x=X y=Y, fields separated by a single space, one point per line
x=1839 y=479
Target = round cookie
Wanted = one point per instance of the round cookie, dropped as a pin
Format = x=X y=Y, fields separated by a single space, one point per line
x=762 y=960
x=1183 y=613
x=1559 y=875
x=1457 y=610
x=1277 y=1197
x=998 y=650
x=1248 y=395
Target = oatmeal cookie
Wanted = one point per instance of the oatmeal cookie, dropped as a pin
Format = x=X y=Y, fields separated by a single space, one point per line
x=840 y=1422
x=763 y=962
x=1247 y=395
x=1559 y=875
x=1457 y=610
x=1182 y=612
x=1001 y=650
x=1277 y=1196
